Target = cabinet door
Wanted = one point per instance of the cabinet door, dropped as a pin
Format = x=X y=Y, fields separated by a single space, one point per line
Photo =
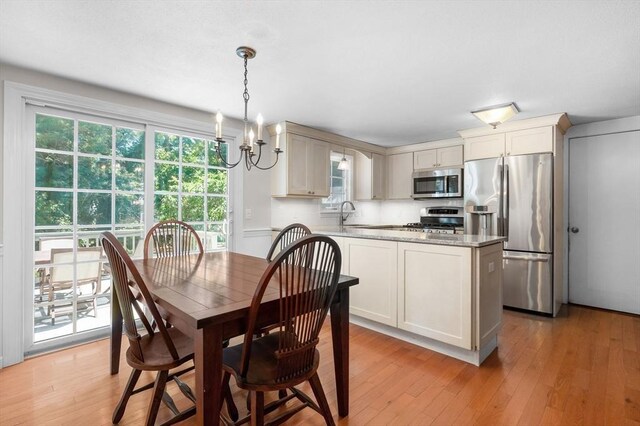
x=318 y=163
x=364 y=177
x=399 y=170
x=297 y=170
x=490 y=146
x=377 y=177
x=530 y=141
x=374 y=263
x=434 y=292
x=427 y=159
x=451 y=156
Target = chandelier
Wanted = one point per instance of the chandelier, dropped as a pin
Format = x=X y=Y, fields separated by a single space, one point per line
x=248 y=148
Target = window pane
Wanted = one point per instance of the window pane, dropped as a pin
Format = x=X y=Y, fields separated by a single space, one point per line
x=217 y=208
x=129 y=209
x=54 y=208
x=94 y=173
x=165 y=207
x=334 y=169
x=216 y=238
x=129 y=176
x=94 y=138
x=217 y=181
x=192 y=179
x=94 y=209
x=54 y=170
x=214 y=159
x=192 y=150
x=192 y=208
x=337 y=182
x=167 y=177
x=54 y=133
x=130 y=143
x=167 y=147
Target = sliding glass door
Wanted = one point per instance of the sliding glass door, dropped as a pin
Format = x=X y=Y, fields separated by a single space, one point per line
x=94 y=174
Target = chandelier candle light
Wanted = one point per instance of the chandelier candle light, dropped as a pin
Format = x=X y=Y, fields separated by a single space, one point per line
x=247 y=149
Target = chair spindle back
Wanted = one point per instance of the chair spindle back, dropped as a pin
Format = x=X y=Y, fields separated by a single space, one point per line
x=288 y=235
x=172 y=238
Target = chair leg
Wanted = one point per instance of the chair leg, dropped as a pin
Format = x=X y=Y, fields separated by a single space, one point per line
x=156 y=398
x=316 y=386
x=282 y=393
x=128 y=390
x=257 y=412
x=228 y=397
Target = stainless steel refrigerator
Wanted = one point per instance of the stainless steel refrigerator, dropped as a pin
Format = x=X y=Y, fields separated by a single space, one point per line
x=513 y=197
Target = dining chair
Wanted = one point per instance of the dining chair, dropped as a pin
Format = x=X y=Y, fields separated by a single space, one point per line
x=161 y=348
x=306 y=274
x=172 y=238
x=288 y=235
x=88 y=271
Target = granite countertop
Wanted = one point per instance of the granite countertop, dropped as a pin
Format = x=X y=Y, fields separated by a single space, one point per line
x=375 y=232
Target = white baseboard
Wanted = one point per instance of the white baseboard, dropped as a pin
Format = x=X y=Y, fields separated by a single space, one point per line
x=472 y=357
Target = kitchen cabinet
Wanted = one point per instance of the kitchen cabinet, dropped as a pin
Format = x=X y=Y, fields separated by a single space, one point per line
x=370 y=177
x=450 y=294
x=527 y=141
x=399 y=170
x=374 y=262
x=439 y=157
x=304 y=170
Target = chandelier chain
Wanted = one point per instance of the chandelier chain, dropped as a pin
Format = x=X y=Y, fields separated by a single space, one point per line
x=245 y=95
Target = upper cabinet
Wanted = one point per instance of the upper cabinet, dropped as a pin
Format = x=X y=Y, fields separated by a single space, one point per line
x=370 y=177
x=304 y=170
x=528 y=141
x=439 y=157
x=399 y=170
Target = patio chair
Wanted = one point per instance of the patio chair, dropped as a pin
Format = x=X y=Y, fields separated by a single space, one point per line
x=88 y=271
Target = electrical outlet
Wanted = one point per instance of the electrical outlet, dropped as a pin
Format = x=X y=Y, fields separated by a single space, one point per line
x=248 y=214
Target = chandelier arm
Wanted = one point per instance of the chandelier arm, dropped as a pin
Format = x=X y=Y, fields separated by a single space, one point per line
x=228 y=165
x=271 y=166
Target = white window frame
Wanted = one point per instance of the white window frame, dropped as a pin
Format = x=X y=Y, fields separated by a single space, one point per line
x=18 y=225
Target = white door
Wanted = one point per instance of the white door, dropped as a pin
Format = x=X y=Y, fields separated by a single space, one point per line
x=604 y=221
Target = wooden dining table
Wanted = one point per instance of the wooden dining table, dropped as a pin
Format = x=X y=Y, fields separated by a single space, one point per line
x=207 y=297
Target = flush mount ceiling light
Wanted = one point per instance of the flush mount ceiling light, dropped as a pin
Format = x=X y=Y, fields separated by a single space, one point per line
x=498 y=114
x=247 y=149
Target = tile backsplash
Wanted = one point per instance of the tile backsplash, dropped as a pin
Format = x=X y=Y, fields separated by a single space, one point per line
x=389 y=212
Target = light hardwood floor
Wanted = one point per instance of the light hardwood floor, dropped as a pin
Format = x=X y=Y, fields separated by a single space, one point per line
x=580 y=368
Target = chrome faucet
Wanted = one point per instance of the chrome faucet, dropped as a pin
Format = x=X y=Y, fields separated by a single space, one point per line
x=343 y=218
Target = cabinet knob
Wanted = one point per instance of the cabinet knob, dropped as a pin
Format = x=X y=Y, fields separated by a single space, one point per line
x=508 y=153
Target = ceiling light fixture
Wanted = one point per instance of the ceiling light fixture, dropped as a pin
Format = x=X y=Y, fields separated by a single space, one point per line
x=343 y=164
x=498 y=114
x=247 y=149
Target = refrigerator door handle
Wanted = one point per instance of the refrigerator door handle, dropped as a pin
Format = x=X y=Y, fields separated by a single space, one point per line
x=527 y=258
x=500 y=202
x=506 y=204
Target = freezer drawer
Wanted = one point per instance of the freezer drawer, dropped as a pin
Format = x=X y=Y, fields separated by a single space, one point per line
x=528 y=281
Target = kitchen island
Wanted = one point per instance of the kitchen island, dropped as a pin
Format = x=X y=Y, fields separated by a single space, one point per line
x=439 y=291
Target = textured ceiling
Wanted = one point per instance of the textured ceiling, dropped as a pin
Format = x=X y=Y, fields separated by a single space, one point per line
x=390 y=73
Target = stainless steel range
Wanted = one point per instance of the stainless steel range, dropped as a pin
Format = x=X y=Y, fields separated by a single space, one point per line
x=439 y=220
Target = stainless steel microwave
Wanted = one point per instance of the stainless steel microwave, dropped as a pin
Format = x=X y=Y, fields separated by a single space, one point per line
x=439 y=183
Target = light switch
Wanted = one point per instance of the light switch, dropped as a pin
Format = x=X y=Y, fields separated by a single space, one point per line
x=248 y=214
x=492 y=267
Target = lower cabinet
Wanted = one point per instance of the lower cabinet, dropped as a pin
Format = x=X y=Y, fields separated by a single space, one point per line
x=450 y=294
x=435 y=292
x=374 y=263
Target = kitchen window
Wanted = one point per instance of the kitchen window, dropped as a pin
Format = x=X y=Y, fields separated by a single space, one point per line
x=341 y=188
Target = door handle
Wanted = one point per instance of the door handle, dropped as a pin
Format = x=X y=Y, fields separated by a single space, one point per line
x=575 y=229
x=526 y=258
